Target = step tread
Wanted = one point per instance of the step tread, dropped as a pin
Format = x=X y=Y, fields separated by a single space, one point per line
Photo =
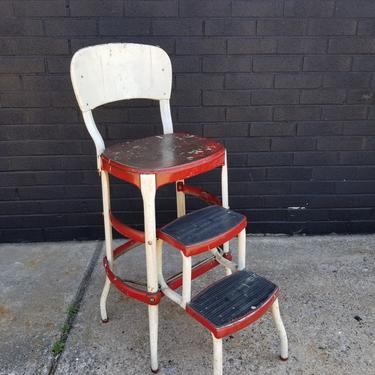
x=235 y=298
x=198 y=228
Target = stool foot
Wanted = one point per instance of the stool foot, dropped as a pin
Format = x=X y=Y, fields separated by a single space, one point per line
x=283 y=359
x=155 y=371
x=105 y=320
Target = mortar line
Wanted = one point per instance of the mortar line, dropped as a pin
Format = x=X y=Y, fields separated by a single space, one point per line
x=76 y=303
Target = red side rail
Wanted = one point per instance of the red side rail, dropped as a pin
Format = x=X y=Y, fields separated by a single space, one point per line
x=127 y=231
x=199 y=193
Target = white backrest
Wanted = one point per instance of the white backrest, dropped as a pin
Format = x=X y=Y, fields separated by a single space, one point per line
x=117 y=71
x=110 y=72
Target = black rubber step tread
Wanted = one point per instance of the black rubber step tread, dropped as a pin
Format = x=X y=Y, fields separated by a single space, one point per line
x=233 y=297
x=202 y=225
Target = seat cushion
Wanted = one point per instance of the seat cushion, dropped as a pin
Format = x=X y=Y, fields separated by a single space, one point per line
x=203 y=229
x=176 y=156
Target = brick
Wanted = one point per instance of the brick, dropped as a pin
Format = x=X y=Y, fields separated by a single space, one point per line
x=186 y=64
x=178 y=26
x=257 y=8
x=200 y=46
x=25 y=100
x=226 y=130
x=317 y=128
x=347 y=80
x=37 y=8
x=199 y=81
x=276 y=63
x=154 y=8
x=292 y=144
x=124 y=26
x=364 y=63
x=357 y=8
x=323 y=96
x=246 y=46
x=351 y=45
x=357 y=157
x=10 y=83
x=369 y=143
x=226 y=63
x=275 y=96
x=249 y=113
x=305 y=45
x=298 y=80
x=289 y=173
x=300 y=112
x=47 y=83
x=38 y=116
x=205 y=114
x=316 y=158
x=6 y=8
x=359 y=128
x=303 y=8
x=248 y=81
x=340 y=143
x=69 y=27
x=306 y=187
x=334 y=173
x=366 y=27
x=260 y=159
x=20 y=27
x=95 y=8
x=326 y=63
x=58 y=64
x=186 y=97
x=333 y=27
x=230 y=27
x=34 y=46
x=281 y=27
x=226 y=97
x=361 y=97
x=248 y=144
x=344 y=112
x=272 y=129
x=205 y=8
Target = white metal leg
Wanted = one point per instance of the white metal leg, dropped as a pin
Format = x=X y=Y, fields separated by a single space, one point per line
x=225 y=200
x=242 y=250
x=148 y=189
x=186 y=280
x=281 y=330
x=180 y=197
x=218 y=356
x=108 y=242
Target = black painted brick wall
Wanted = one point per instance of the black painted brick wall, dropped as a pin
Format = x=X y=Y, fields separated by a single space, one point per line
x=287 y=85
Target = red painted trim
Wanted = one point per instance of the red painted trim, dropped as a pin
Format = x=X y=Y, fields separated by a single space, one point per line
x=130 y=291
x=199 y=193
x=203 y=246
x=166 y=175
x=124 y=248
x=220 y=332
x=198 y=270
x=127 y=231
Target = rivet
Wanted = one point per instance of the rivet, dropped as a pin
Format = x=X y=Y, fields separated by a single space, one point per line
x=149 y=243
x=152 y=299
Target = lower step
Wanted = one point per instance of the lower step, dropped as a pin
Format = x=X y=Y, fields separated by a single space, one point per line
x=233 y=302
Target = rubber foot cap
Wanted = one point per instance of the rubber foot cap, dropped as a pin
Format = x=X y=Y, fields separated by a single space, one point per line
x=105 y=320
x=283 y=359
x=155 y=371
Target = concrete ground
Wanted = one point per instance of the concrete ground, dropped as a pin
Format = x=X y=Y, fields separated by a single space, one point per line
x=327 y=303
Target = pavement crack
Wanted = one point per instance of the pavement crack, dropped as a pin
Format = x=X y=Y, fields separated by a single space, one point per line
x=73 y=309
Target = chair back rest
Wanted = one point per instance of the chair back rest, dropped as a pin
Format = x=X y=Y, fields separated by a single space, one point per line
x=111 y=72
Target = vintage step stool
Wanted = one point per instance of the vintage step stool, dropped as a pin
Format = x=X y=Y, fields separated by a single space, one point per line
x=108 y=73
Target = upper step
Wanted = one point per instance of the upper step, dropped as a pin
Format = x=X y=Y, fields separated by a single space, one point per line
x=203 y=229
x=233 y=302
